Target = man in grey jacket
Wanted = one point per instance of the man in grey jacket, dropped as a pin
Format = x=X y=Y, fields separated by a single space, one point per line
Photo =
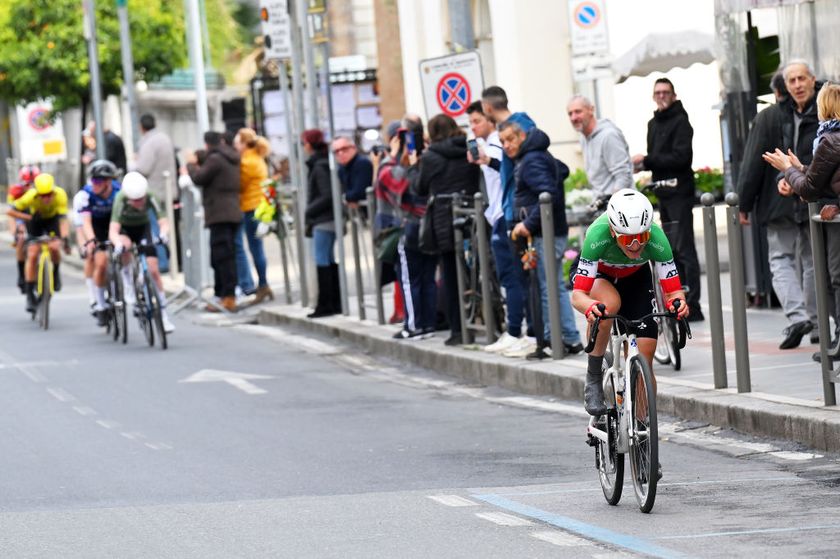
x=605 y=153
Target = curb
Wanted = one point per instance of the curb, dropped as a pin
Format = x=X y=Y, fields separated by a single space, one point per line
x=815 y=426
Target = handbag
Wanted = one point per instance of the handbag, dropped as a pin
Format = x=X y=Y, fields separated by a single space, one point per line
x=387 y=242
x=426 y=241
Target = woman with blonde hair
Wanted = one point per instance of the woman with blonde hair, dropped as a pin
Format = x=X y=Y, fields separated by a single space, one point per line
x=253 y=171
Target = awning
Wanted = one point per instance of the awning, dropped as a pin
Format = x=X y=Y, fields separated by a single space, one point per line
x=660 y=52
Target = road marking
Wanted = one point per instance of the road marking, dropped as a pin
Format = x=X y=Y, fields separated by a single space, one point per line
x=309 y=345
x=589 y=531
x=809 y=364
x=84 y=410
x=749 y=447
x=107 y=423
x=159 y=446
x=561 y=538
x=60 y=394
x=453 y=501
x=748 y=532
x=237 y=380
x=503 y=519
x=25 y=364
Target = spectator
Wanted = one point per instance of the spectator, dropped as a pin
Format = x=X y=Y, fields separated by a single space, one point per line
x=669 y=156
x=253 y=171
x=154 y=156
x=605 y=153
x=790 y=124
x=820 y=181
x=354 y=170
x=320 y=223
x=508 y=269
x=219 y=178
x=536 y=172
x=444 y=169
x=114 y=148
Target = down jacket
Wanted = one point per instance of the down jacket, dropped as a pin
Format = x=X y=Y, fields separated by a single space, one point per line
x=820 y=179
x=219 y=179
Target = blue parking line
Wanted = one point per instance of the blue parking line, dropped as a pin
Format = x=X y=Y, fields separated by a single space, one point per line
x=589 y=531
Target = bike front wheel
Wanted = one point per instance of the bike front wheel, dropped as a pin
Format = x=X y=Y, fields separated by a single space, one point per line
x=157 y=316
x=46 y=284
x=644 y=442
x=609 y=462
x=144 y=313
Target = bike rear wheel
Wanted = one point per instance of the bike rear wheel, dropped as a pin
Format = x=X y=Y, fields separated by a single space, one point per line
x=609 y=462
x=144 y=314
x=118 y=311
x=45 y=283
x=157 y=314
x=644 y=443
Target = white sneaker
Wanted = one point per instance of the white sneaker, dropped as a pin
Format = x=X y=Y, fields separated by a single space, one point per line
x=504 y=343
x=168 y=327
x=524 y=346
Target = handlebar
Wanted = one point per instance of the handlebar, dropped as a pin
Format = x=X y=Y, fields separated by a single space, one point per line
x=664 y=184
x=684 y=329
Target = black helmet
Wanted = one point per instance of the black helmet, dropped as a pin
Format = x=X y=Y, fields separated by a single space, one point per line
x=103 y=169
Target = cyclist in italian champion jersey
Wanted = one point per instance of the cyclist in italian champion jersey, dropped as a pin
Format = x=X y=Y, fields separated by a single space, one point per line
x=613 y=271
x=94 y=204
x=130 y=225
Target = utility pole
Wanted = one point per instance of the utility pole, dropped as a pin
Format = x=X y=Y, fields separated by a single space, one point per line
x=93 y=66
x=128 y=71
x=197 y=64
x=309 y=59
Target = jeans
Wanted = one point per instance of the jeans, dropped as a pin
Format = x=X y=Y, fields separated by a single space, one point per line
x=511 y=276
x=248 y=230
x=223 y=258
x=567 y=317
x=792 y=267
x=324 y=243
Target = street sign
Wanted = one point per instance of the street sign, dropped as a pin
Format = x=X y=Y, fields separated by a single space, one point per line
x=588 y=27
x=276 y=28
x=450 y=83
x=40 y=140
x=316 y=20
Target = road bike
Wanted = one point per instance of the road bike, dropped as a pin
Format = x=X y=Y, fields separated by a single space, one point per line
x=117 y=326
x=147 y=308
x=45 y=281
x=670 y=330
x=630 y=424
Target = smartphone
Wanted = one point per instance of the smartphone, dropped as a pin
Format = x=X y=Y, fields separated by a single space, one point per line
x=472 y=147
x=409 y=141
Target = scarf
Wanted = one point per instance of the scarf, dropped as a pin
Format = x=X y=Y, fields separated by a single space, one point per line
x=827 y=126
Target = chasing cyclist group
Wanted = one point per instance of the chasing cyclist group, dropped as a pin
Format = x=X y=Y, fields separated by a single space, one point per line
x=107 y=215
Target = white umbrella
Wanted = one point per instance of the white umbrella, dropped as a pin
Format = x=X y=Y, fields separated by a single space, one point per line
x=659 y=52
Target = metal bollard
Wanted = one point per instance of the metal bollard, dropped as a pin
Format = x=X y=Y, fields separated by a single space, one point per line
x=739 y=304
x=820 y=275
x=710 y=239
x=558 y=349
x=484 y=265
x=377 y=266
x=354 y=234
x=466 y=333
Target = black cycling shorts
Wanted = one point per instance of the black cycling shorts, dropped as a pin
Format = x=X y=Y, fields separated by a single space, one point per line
x=38 y=226
x=637 y=299
x=137 y=233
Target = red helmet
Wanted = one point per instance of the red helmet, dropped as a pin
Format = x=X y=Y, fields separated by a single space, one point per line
x=28 y=173
x=17 y=190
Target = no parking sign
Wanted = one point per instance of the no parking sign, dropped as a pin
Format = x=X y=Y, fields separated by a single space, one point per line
x=450 y=84
x=588 y=26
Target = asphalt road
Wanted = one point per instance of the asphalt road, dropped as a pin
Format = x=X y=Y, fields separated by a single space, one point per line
x=321 y=451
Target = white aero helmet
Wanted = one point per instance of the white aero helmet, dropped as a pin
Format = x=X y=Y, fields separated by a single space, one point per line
x=134 y=185
x=630 y=212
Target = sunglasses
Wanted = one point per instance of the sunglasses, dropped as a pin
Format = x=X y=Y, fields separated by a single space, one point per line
x=628 y=240
x=99 y=180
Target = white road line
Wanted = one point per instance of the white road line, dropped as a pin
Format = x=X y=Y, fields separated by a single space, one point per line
x=309 y=345
x=534 y=403
x=107 y=423
x=504 y=519
x=159 y=446
x=561 y=538
x=453 y=500
x=808 y=365
x=22 y=365
x=60 y=394
x=748 y=447
x=84 y=410
x=796 y=456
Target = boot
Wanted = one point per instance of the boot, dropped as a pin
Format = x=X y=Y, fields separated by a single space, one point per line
x=263 y=292
x=593 y=395
x=324 y=305
x=335 y=290
x=21 y=282
x=31 y=299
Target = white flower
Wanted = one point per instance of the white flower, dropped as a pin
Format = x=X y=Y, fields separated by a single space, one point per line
x=579 y=198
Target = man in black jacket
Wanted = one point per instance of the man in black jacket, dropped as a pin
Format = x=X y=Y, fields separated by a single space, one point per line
x=790 y=124
x=219 y=178
x=669 y=156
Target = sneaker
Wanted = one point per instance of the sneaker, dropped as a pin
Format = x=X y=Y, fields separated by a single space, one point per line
x=540 y=352
x=504 y=342
x=168 y=327
x=454 y=340
x=405 y=334
x=521 y=348
x=428 y=333
x=794 y=334
x=572 y=349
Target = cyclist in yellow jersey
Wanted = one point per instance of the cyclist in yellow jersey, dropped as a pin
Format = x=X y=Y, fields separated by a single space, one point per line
x=44 y=208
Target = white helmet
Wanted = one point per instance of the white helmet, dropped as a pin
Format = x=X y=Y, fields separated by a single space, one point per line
x=134 y=185
x=630 y=212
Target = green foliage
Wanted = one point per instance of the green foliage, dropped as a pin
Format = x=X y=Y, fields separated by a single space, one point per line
x=43 y=52
x=576 y=181
x=708 y=180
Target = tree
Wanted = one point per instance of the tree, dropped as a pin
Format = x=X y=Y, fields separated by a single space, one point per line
x=43 y=53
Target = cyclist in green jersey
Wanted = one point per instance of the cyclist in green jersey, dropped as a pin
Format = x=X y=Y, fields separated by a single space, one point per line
x=131 y=224
x=613 y=271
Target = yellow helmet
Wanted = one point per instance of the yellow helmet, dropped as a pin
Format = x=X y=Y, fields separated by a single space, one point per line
x=44 y=184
